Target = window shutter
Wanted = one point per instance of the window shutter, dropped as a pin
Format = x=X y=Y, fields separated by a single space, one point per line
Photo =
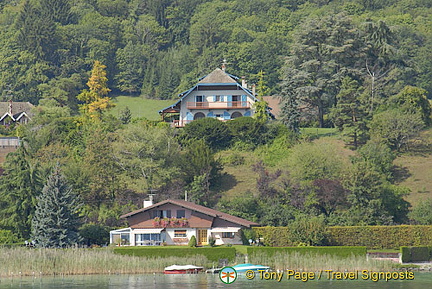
x=247 y=113
x=210 y=114
x=226 y=115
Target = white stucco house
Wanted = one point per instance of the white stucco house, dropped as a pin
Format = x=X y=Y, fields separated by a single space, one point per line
x=217 y=95
x=174 y=222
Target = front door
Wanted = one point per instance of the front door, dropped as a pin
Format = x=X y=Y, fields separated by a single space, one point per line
x=202 y=237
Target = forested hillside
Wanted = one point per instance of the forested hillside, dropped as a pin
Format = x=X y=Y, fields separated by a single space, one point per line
x=362 y=67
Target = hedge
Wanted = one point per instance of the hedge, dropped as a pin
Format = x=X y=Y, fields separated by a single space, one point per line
x=416 y=254
x=333 y=251
x=373 y=237
x=380 y=237
x=212 y=254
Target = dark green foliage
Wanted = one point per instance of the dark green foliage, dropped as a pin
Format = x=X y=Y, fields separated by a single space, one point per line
x=19 y=187
x=247 y=130
x=416 y=254
x=212 y=254
x=192 y=242
x=125 y=115
x=214 y=132
x=350 y=114
x=56 y=220
x=94 y=234
x=340 y=251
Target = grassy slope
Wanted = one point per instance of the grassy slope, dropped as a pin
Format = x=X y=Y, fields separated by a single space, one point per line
x=140 y=107
x=415 y=170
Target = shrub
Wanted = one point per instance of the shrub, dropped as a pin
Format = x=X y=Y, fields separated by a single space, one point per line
x=94 y=234
x=416 y=254
x=212 y=241
x=192 y=242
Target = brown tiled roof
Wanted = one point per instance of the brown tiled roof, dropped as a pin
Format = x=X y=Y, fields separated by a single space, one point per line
x=197 y=208
x=217 y=76
x=274 y=104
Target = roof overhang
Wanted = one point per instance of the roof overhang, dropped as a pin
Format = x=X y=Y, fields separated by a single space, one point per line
x=225 y=229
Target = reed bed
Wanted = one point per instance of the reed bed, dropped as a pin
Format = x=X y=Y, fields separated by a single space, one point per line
x=16 y=262
x=316 y=262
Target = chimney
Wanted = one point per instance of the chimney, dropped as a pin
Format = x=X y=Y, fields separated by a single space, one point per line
x=10 y=107
x=244 y=82
x=253 y=89
x=149 y=202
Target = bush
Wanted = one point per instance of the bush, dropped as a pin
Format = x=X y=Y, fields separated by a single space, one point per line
x=212 y=254
x=94 y=234
x=214 y=132
x=416 y=254
x=192 y=242
x=212 y=241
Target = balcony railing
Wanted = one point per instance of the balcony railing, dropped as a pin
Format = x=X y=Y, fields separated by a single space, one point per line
x=217 y=105
x=170 y=222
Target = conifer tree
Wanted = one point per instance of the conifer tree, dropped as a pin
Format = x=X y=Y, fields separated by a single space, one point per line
x=96 y=99
x=19 y=186
x=56 y=221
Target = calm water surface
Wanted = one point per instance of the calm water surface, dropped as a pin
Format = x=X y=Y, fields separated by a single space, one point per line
x=201 y=281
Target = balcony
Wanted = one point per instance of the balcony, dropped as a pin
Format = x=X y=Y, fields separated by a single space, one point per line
x=218 y=105
x=170 y=222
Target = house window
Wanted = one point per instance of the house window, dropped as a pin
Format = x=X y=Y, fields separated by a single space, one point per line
x=228 y=235
x=147 y=239
x=180 y=234
x=181 y=214
x=217 y=98
x=162 y=213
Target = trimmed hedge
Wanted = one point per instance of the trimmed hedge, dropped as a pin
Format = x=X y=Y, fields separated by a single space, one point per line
x=380 y=237
x=212 y=254
x=333 y=251
x=373 y=237
x=416 y=254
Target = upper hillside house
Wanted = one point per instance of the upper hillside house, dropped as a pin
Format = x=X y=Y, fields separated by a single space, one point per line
x=174 y=222
x=217 y=95
x=15 y=112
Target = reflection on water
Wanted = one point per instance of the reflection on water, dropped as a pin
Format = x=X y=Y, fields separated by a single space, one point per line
x=201 y=281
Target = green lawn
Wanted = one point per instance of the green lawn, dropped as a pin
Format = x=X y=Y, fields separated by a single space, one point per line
x=140 y=107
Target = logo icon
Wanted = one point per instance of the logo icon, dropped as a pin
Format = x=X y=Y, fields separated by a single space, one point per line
x=228 y=275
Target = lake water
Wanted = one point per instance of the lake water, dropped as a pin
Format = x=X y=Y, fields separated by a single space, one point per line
x=201 y=281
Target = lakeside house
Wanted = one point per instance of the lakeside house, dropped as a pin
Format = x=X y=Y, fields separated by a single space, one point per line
x=216 y=95
x=15 y=112
x=174 y=222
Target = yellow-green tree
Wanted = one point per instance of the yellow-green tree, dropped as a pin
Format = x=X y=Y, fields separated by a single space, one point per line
x=95 y=99
x=261 y=105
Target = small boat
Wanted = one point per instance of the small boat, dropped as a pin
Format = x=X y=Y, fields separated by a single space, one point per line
x=213 y=270
x=246 y=267
x=182 y=269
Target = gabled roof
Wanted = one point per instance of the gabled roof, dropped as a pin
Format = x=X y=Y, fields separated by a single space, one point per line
x=18 y=108
x=197 y=208
x=218 y=76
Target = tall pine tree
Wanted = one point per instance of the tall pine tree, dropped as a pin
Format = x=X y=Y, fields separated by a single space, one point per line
x=56 y=221
x=19 y=186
